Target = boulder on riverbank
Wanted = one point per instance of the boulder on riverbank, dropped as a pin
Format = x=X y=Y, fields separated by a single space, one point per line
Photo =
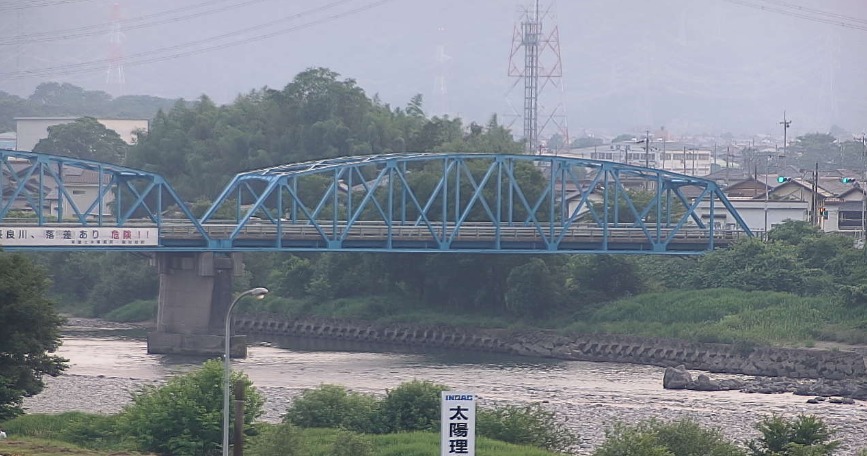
x=841 y=391
x=680 y=378
x=676 y=378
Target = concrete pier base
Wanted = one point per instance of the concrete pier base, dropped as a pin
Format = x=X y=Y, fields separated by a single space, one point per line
x=195 y=344
x=195 y=292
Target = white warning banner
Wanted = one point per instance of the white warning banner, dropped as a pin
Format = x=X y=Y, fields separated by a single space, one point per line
x=78 y=236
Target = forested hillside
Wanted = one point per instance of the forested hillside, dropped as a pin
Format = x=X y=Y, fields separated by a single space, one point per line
x=54 y=99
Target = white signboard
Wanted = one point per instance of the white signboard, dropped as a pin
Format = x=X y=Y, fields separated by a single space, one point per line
x=78 y=236
x=458 y=418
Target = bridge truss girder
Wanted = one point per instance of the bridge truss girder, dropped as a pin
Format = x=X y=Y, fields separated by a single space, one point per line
x=523 y=203
x=36 y=189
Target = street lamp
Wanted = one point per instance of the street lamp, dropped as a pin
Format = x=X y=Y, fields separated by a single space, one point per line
x=258 y=293
x=767 y=193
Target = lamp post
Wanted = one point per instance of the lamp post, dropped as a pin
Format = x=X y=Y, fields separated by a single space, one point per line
x=257 y=293
x=767 y=190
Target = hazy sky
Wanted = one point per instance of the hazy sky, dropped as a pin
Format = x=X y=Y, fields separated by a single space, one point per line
x=692 y=66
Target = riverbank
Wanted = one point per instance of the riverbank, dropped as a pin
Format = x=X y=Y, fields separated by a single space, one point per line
x=833 y=364
x=105 y=365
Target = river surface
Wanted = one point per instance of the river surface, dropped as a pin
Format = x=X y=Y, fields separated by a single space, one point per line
x=106 y=363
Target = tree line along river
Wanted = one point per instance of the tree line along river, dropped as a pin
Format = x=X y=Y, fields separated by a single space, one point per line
x=108 y=361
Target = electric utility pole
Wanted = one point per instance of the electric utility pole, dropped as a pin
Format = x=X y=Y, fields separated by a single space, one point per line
x=785 y=123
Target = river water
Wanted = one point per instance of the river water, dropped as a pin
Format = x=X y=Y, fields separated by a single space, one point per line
x=106 y=363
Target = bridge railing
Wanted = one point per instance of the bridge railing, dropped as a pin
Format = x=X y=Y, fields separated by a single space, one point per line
x=374 y=230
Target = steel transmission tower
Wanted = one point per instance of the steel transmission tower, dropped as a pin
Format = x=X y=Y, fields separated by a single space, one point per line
x=114 y=74
x=441 y=101
x=541 y=68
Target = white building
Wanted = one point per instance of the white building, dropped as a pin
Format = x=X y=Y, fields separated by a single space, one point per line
x=669 y=156
x=758 y=215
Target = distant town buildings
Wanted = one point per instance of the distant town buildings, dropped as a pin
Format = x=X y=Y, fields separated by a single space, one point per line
x=836 y=202
x=678 y=157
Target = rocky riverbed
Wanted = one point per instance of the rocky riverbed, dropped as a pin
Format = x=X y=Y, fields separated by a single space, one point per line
x=835 y=391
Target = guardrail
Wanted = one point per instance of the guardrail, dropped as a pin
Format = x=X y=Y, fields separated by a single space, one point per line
x=369 y=231
x=176 y=229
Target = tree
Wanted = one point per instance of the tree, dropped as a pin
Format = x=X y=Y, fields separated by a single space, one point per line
x=793 y=232
x=655 y=438
x=29 y=332
x=752 y=265
x=84 y=138
x=332 y=406
x=604 y=277
x=804 y=434
x=817 y=148
x=526 y=425
x=587 y=141
x=184 y=416
x=532 y=291
x=412 y=406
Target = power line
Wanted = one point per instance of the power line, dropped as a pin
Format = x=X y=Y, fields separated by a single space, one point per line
x=74 y=67
x=815 y=11
x=142 y=59
x=810 y=16
x=24 y=4
x=127 y=24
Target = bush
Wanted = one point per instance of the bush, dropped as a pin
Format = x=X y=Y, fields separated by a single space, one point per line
x=280 y=440
x=92 y=431
x=332 y=406
x=184 y=417
x=677 y=438
x=526 y=425
x=802 y=435
x=351 y=444
x=412 y=406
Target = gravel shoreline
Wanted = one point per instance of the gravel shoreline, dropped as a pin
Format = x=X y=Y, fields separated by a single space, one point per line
x=588 y=406
x=588 y=416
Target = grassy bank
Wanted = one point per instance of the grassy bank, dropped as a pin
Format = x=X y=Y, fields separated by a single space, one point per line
x=29 y=446
x=712 y=315
x=727 y=316
x=89 y=435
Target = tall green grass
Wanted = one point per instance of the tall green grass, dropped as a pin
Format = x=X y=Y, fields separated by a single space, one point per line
x=136 y=311
x=382 y=308
x=723 y=315
x=88 y=431
x=318 y=442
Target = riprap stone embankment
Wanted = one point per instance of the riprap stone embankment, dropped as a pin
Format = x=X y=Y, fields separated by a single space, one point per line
x=718 y=358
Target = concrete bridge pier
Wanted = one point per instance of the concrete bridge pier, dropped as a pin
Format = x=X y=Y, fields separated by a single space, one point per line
x=195 y=292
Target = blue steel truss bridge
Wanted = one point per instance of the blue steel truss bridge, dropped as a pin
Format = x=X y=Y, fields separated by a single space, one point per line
x=423 y=202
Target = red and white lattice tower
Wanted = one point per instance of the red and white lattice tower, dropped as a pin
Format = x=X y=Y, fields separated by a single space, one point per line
x=114 y=74
x=441 y=94
x=543 y=114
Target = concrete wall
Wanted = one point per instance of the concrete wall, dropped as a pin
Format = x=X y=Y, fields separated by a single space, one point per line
x=774 y=362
